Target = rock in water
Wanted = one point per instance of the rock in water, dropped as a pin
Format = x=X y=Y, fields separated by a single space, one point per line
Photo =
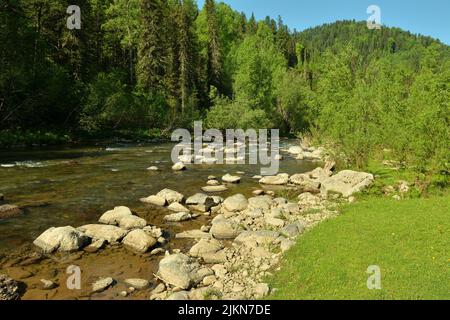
x=138 y=240
x=65 y=239
x=114 y=216
x=132 y=222
x=231 y=179
x=236 y=203
x=48 y=285
x=347 y=182
x=9 y=211
x=177 y=207
x=155 y=200
x=102 y=284
x=106 y=232
x=170 y=196
x=179 y=166
x=9 y=288
x=178 y=217
x=279 y=179
x=179 y=270
x=139 y=284
x=212 y=189
x=152 y=168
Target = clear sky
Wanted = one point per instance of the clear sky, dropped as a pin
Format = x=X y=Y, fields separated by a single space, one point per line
x=427 y=17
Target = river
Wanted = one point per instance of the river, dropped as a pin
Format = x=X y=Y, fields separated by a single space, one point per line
x=74 y=185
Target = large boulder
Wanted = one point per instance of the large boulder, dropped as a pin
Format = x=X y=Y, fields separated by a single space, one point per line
x=236 y=203
x=179 y=270
x=132 y=222
x=170 y=196
x=64 y=239
x=280 y=179
x=114 y=216
x=347 y=182
x=9 y=288
x=106 y=232
x=224 y=229
x=9 y=211
x=138 y=240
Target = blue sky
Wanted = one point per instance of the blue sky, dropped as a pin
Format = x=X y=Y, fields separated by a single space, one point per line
x=427 y=17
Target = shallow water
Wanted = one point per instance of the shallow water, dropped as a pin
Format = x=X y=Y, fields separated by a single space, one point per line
x=75 y=185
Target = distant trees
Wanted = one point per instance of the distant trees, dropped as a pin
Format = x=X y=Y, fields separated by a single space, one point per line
x=146 y=64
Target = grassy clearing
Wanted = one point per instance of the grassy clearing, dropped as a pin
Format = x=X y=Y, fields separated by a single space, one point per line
x=409 y=240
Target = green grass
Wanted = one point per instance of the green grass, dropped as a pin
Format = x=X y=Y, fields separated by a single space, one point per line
x=409 y=240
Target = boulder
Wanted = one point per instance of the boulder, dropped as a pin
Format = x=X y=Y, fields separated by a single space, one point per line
x=260 y=202
x=9 y=211
x=132 y=222
x=138 y=240
x=293 y=230
x=261 y=237
x=295 y=150
x=9 y=288
x=280 y=179
x=304 y=180
x=153 y=231
x=179 y=270
x=202 y=202
x=177 y=207
x=236 y=203
x=102 y=284
x=179 y=166
x=95 y=246
x=224 y=229
x=212 y=189
x=106 y=232
x=64 y=239
x=152 y=168
x=155 y=200
x=347 y=182
x=178 y=217
x=274 y=222
x=139 y=284
x=231 y=179
x=114 y=216
x=170 y=196
x=204 y=247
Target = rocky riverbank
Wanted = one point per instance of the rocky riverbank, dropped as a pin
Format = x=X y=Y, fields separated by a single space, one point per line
x=235 y=244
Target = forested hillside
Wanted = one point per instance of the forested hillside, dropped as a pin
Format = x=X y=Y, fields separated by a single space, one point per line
x=148 y=66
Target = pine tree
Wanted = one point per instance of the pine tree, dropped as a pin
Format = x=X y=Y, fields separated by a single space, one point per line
x=215 y=63
x=153 y=46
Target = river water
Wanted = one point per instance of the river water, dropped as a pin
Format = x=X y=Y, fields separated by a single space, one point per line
x=74 y=185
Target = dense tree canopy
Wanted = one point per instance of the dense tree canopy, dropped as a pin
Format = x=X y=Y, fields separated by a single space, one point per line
x=141 y=65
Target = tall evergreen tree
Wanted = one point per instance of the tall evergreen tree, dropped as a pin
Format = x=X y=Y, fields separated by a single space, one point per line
x=215 y=62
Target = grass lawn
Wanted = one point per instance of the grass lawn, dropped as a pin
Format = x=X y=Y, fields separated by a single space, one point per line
x=409 y=240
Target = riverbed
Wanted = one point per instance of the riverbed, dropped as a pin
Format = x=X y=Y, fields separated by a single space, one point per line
x=74 y=185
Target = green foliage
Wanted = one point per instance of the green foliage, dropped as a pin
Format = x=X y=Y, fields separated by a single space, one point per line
x=228 y=114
